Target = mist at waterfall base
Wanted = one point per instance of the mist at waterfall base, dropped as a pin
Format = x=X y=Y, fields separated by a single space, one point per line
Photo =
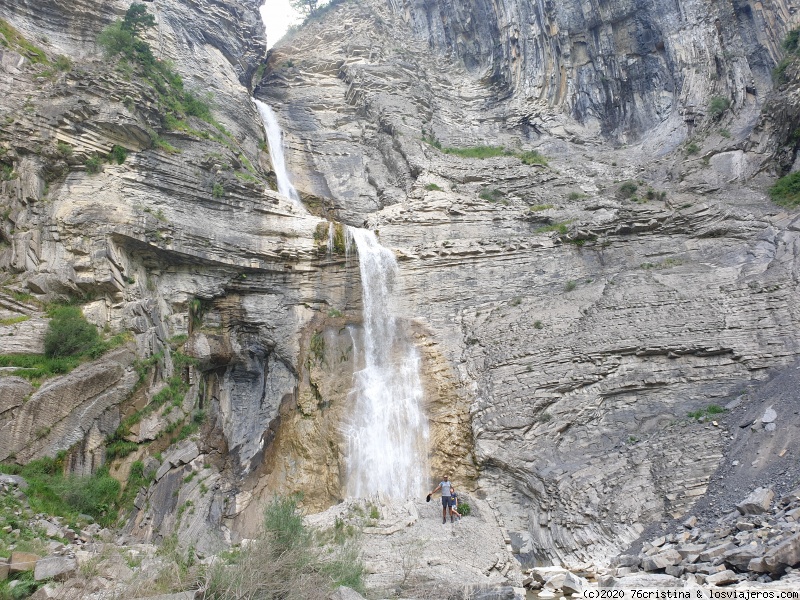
x=275 y=142
x=387 y=435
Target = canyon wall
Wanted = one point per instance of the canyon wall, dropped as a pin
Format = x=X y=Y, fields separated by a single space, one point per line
x=590 y=304
x=573 y=298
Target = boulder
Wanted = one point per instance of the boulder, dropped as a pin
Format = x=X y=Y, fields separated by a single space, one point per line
x=3 y=569
x=739 y=558
x=758 y=565
x=573 y=584
x=14 y=480
x=644 y=580
x=22 y=561
x=687 y=549
x=758 y=502
x=786 y=554
x=47 y=592
x=722 y=578
x=625 y=560
x=662 y=560
x=59 y=568
x=674 y=570
x=769 y=415
x=711 y=553
x=554 y=582
x=345 y=593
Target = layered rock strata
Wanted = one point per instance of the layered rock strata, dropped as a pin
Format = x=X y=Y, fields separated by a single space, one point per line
x=587 y=305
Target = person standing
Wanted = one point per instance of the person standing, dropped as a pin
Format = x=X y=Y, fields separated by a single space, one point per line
x=454 y=503
x=444 y=485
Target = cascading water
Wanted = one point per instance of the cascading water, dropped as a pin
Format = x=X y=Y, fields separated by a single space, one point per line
x=275 y=141
x=387 y=437
x=387 y=434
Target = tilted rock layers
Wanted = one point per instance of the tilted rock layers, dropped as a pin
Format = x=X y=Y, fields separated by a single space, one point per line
x=584 y=318
x=567 y=323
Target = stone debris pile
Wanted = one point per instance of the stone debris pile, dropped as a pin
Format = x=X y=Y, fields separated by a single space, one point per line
x=758 y=543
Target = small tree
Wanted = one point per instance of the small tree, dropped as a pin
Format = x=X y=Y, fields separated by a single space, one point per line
x=305 y=7
x=137 y=19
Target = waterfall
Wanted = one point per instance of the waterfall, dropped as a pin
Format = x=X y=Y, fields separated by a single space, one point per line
x=387 y=436
x=275 y=141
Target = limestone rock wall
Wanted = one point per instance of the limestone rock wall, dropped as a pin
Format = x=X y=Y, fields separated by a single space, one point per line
x=624 y=67
x=583 y=319
x=571 y=306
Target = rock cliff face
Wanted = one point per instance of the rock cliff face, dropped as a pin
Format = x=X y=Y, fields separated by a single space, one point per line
x=587 y=306
x=573 y=298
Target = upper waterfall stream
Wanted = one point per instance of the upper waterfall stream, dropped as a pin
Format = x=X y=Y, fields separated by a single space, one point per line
x=275 y=142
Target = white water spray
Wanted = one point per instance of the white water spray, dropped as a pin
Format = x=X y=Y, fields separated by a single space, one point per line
x=275 y=141
x=387 y=439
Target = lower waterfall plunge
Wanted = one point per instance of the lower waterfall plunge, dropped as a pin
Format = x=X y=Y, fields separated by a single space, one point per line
x=387 y=437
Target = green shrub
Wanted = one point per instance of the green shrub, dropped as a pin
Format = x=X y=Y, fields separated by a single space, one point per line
x=64 y=149
x=557 y=227
x=718 y=106
x=284 y=524
x=218 y=191
x=69 y=333
x=540 y=207
x=50 y=492
x=63 y=63
x=432 y=187
x=786 y=191
x=464 y=508
x=791 y=44
x=711 y=409
x=286 y=561
x=627 y=189
x=532 y=157
x=491 y=195
x=118 y=154
x=93 y=165
x=477 y=151
x=570 y=285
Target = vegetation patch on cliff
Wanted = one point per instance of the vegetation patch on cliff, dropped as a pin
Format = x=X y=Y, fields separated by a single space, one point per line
x=786 y=191
x=13 y=39
x=69 y=341
x=50 y=492
x=122 y=40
